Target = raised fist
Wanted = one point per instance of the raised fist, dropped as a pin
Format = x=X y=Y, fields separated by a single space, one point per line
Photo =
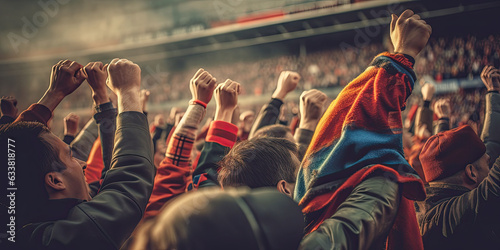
x=409 y=33
x=491 y=78
x=159 y=121
x=202 y=86
x=71 y=124
x=65 y=78
x=124 y=76
x=311 y=108
x=247 y=118
x=287 y=83
x=8 y=105
x=226 y=97
x=96 y=74
x=428 y=91
x=442 y=108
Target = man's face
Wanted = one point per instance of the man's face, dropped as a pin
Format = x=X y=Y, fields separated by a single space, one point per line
x=73 y=176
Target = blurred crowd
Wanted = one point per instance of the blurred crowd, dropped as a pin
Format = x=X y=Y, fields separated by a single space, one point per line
x=387 y=164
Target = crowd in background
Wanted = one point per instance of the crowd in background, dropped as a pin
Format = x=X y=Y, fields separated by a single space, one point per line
x=375 y=166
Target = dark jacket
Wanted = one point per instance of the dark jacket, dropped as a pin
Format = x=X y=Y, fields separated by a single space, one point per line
x=454 y=217
x=109 y=218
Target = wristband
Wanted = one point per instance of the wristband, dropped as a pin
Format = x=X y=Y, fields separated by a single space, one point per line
x=104 y=107
x=493 y=91
x=204 y=105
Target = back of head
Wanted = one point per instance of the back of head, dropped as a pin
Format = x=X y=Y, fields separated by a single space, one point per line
x=277 y=130
x=259 y=162
x=224 y=219
x=30 y=158
x=449 y=152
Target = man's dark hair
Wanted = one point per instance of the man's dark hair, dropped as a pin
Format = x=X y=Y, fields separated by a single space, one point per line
x=33 y=158
x=276 y=130
x=259 y=162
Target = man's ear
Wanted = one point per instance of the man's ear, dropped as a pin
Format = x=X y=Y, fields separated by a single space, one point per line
x=284 y=188
x=54 y=181
x=471 y=174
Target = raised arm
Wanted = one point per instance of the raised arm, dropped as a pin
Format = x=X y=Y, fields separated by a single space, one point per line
x=424 y=112
x=221 y=136
x=114 y=213
x=105 y=117
x=64 y=79
x=356 y=146
x=270 y=112
x=491 y=134
x=174 y=172
x=442 y=111
x=312 y=104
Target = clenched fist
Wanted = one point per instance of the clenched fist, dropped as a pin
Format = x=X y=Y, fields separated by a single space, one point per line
x=226 y=97
x=287 y=83
x=124 y=76
x=312 y=104
x=124 y=79
x=428 y=91
x=65 y=78
x=442 y=108
x=409 y=33
x=202 y=86
x=97 y=74
x=71 y=124
x=491 y=78
x=8 y=104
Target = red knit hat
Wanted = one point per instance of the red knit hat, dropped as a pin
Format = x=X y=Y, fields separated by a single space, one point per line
x=446 y=153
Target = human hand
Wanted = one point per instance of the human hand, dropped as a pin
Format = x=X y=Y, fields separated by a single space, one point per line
x=124 y=79
x=226 y=97
x=311 y=108
x=491 y=78
x=173 y=112
x=287 y=83
x=65 y=77
x=159 y=121
x=442 y=108
x=71 y=124
x=202 y=86
x=8 y=105
x=428 y=91
x=247 y=118
x=97 y=74
x=409 y=33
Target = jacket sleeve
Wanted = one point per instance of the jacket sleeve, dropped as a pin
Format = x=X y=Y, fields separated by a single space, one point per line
x=491 y=134
x=106 y=122
x=303 y=137
x=268 y=115
x=362 y=221
x=82 y=144
x=174 y=172
x=35 y=113
x=476 y=208
x=112 y=215
x=441 y=125
x=220 y=139
x=424 y=116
